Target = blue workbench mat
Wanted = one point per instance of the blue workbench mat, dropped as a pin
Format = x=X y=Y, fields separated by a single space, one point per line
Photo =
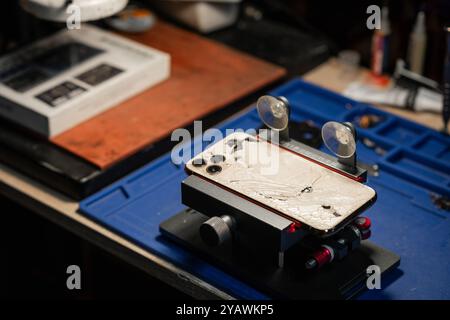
x=414 y=164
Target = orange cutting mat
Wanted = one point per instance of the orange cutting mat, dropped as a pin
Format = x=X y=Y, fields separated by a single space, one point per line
x=205 y=76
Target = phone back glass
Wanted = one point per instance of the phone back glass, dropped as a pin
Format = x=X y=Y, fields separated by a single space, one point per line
x=282 y=181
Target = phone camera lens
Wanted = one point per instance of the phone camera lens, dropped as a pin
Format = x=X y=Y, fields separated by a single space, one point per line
x=199 y=162
x=218 y=158
x=213 y=169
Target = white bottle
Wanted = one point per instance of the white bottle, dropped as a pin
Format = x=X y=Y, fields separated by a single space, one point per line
x=417 y=45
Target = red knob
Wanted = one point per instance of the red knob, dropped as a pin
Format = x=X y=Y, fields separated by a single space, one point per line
x=362 y=223
x=322 y=256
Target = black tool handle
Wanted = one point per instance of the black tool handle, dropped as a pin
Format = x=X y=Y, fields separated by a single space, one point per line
x=446 y=107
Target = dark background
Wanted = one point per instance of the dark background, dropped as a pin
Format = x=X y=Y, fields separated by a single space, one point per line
x=341 y=24
x=36 y=253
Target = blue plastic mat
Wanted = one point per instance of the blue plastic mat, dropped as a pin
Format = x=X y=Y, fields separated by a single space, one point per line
x=414 y=164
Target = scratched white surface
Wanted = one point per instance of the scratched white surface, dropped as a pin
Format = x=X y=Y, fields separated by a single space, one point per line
x=298 y=188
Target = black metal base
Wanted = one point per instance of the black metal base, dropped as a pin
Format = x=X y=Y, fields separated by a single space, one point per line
x=339 y=280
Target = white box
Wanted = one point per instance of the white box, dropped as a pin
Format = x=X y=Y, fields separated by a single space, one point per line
x=60 y=81
x=205 y=16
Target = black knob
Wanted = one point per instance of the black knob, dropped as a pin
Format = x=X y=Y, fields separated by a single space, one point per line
x=216 y=230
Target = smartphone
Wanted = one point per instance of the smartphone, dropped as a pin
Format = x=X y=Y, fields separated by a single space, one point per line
x=282 y=181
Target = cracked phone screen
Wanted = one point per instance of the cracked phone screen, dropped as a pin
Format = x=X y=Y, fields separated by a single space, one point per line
x=281 y=180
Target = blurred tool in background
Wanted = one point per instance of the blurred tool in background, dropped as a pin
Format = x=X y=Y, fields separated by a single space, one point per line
x=339 y=25
x=380 y=44
x=408 y=78
x=406 y=89
x=417 y=45
x=446 y=109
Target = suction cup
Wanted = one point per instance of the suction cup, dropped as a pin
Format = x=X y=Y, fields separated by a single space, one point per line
x=339 y=139
x=274 y=112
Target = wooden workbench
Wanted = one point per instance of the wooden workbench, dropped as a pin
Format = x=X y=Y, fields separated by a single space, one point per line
x=63 y=211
